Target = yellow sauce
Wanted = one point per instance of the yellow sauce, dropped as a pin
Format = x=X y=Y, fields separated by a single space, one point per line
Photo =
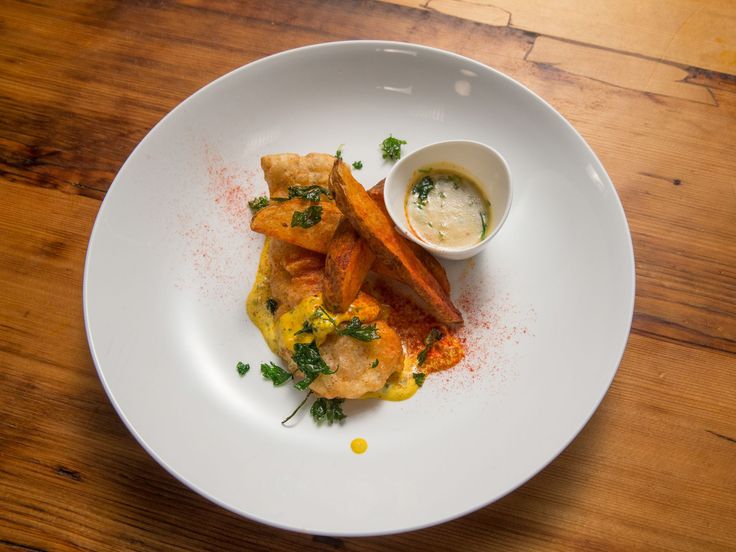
x=259 y=294
x=400 y=385
x=359 y=446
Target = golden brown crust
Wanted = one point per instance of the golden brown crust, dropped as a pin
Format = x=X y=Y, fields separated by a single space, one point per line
x=348 y=261
x=275 y=220
x=353 y=361
x=282 y=170
x=427 y=259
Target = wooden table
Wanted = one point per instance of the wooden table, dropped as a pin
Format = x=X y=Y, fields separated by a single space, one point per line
x=651 y=86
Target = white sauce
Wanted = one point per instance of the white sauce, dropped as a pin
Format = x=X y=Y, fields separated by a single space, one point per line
x=446 y=208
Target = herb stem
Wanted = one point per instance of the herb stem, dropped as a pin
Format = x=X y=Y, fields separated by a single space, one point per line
x=290 y=416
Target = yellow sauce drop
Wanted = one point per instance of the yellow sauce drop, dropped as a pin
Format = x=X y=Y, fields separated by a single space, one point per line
x=359 y=446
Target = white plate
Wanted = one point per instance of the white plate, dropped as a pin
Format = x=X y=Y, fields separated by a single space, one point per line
x=548 y=305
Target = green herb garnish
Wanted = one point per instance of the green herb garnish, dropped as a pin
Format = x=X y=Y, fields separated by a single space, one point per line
x=307 y=328
x=272 y=304
x=307 y=218
x=290 y=416
x=257 y=204
x=359 y=331
x=374 y=364
x=311 y=193
x=484 y=223
x=275 y=373
x=309 y=361
x=433 y=337
x=338 y=153
x=422 y=189
x=357 y=165
x=242 y=368
x=391 y=148
x=327 y=410
x=419 y=378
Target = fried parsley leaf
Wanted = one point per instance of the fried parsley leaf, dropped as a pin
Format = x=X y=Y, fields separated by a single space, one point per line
x=242 y=368
x=310 y=193
x=391 y=148
x=307 y=218
x=257 y=204
x=433 y=337
x=327 y=411
x=275 y=373
x=310 y=363
x=359 y=331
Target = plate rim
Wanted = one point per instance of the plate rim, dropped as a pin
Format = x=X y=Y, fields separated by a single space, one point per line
x=114 y=185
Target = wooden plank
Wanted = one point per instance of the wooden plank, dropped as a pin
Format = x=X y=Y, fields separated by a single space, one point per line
x=690 y=33
x=626 y=71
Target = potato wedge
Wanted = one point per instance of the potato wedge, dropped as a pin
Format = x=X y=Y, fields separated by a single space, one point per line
x=282 y=170
x=348 y=261
x=275 y=220
x=427 y=259
x=378 y=230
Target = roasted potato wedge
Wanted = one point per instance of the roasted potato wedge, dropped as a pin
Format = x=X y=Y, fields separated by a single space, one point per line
x=282 y=170
x=275 y=220
x=427 y=259
x=348 y=261
x=378 y=230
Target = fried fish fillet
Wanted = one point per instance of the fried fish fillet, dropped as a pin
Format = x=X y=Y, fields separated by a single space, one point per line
x=354 y=361
x=282 y=170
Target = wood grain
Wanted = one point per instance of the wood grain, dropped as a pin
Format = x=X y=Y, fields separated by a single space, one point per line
x=649 y=86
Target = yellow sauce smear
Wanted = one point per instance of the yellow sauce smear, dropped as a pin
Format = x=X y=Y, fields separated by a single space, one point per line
x=359 y=446
x=259 y=294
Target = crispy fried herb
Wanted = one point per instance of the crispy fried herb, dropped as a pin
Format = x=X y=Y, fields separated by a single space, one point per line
x=257 y=204
x=391 y=148
x=357 y=165
x=309 y=361
x=307 y=218
x=290 y=416
x=374 y=364
x=311 y=193
x=338 y=153
x=242 y=368
x=419 y=378
x=484 y=223
x=272 y=304
x=422 y=189
x=307 y=328
x=327 y=410
x=275 y=373
x=433 y=337
x=359 y=331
